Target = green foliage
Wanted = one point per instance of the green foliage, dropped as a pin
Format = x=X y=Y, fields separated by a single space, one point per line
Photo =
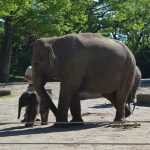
x=143 y=61
x=126 y=20
x=30 y=19
x=131 y=18
x=59 y=17
x=20 y=61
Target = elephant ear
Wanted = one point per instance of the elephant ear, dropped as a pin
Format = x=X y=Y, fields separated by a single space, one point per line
x=51 y=55
x=32 y=99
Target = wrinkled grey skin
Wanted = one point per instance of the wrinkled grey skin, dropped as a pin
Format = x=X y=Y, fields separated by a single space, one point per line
x=84 y=62
x=33 y=107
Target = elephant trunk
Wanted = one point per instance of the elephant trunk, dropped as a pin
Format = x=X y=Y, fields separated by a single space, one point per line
x=22 y=102
x=19 y=110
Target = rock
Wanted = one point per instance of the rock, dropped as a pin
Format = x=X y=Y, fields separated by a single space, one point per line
x=5 y=91
x=145 y=83
x=143 y=98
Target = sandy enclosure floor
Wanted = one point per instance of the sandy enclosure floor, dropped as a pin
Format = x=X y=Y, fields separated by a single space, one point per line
x=96 y=134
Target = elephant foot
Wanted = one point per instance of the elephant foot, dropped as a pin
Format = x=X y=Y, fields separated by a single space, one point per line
x=44 y=123
x=76 y=122
x=24 y=120
x=119 y=118
x=27 y=125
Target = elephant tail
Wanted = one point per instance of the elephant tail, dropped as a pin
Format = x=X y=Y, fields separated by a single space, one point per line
x=130 y=101
x=136 y=82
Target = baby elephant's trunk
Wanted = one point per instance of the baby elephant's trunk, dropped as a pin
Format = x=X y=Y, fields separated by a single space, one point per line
x=22 y=102
x=19 y=110
x=32 y=110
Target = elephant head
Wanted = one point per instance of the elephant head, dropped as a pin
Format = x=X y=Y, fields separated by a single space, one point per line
x=22 y=102
x=43 y=56
x=32 y=104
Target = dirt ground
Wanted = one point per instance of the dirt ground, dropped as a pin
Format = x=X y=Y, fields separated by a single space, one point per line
x=96 y=134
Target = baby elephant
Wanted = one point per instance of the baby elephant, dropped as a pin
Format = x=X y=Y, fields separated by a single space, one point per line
x=31 y=101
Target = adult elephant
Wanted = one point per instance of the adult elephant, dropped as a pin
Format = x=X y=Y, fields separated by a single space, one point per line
x=84 y=62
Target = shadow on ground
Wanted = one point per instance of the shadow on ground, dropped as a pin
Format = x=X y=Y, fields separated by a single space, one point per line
x=102 y=106
x=21 y=130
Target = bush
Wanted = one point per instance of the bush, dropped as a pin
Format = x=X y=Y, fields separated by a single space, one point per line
x=143 y=61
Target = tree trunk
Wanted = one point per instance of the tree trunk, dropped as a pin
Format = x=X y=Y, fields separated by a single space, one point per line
x=5 y=57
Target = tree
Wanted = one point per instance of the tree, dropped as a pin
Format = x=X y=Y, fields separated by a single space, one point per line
x=36 y=18
x=124 y=20
x=22 y=21
x=13 y=13
x=143 y=61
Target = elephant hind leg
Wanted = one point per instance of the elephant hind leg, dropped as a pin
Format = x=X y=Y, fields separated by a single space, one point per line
x=127 y=111
x=120 y=113
x=122 y=110
x=44 y=116
x=118 y=102
x=122 y=92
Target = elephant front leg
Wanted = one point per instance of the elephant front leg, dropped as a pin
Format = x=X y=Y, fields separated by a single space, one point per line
x=63 y=106
x=75 y=108
x=62 y=115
